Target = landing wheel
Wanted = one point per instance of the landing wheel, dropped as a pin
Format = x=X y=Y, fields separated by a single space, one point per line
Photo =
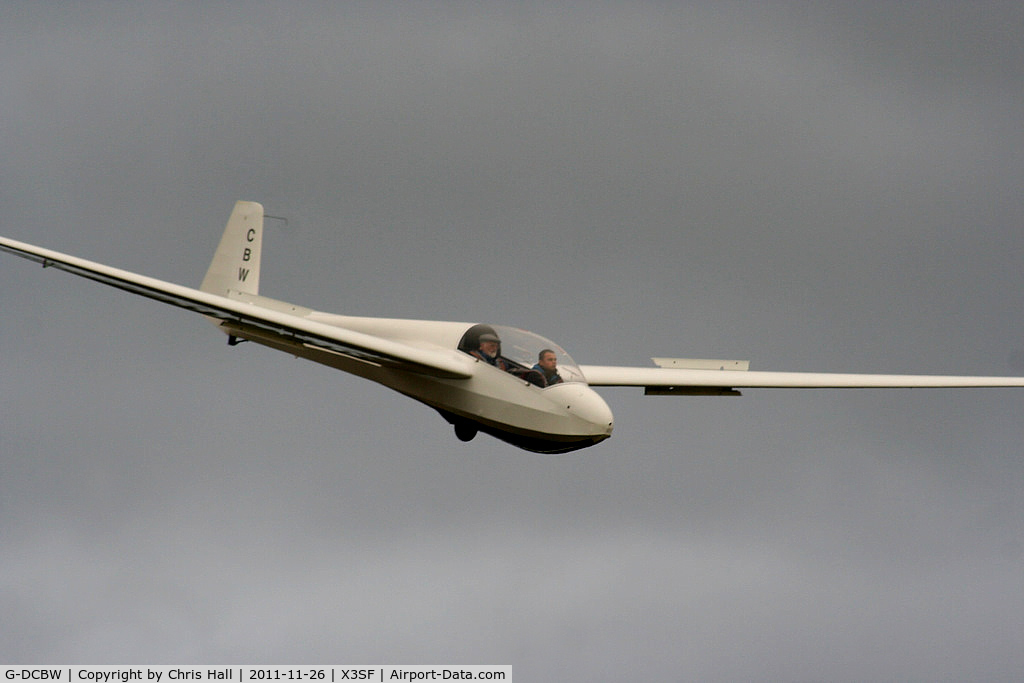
x=465 y=431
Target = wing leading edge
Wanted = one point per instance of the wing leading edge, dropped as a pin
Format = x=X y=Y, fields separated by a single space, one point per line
x=290 y=327
x=705 y=381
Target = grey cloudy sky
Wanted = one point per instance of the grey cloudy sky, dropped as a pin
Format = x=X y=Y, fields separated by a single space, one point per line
x=820 y=186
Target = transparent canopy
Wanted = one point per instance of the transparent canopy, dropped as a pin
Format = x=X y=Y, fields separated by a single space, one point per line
x=522 y=348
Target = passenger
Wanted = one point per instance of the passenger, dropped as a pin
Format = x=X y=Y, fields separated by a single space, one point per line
x=547 y=366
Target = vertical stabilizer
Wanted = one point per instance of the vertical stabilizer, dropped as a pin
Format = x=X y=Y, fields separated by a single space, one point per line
x=236 y=264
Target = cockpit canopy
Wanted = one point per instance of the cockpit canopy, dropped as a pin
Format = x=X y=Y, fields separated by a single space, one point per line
x=522 y=349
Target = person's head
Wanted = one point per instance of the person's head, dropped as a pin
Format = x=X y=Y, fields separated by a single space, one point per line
x=490 y=344
x=547 y=360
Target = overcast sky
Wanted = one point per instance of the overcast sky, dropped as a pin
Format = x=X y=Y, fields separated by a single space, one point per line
x=820 y=186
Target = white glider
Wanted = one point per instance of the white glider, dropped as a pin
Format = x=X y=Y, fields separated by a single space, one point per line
x=496 y=379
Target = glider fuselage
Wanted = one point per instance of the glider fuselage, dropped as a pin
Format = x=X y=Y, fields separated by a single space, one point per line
x=559 y=418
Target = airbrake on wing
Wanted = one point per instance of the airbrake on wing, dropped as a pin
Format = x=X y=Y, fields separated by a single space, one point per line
x=696 y=364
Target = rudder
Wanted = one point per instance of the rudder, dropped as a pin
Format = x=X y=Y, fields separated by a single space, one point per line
x=236 y=263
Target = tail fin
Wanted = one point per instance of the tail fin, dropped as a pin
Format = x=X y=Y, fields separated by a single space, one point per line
x=236 y=263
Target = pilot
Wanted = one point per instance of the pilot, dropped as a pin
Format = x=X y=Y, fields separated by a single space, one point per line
x=489 y=350
x=547 y=366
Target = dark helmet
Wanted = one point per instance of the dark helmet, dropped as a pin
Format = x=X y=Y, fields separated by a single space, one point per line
x=476 y=334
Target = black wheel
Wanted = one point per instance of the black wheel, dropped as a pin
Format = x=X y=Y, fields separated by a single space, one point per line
x=465 y=431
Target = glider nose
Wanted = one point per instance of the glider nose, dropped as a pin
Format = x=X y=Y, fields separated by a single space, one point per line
x=585 y=404
x=592 y=408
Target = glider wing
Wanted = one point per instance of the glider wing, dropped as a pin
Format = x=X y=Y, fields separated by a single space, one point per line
x=250 y=315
